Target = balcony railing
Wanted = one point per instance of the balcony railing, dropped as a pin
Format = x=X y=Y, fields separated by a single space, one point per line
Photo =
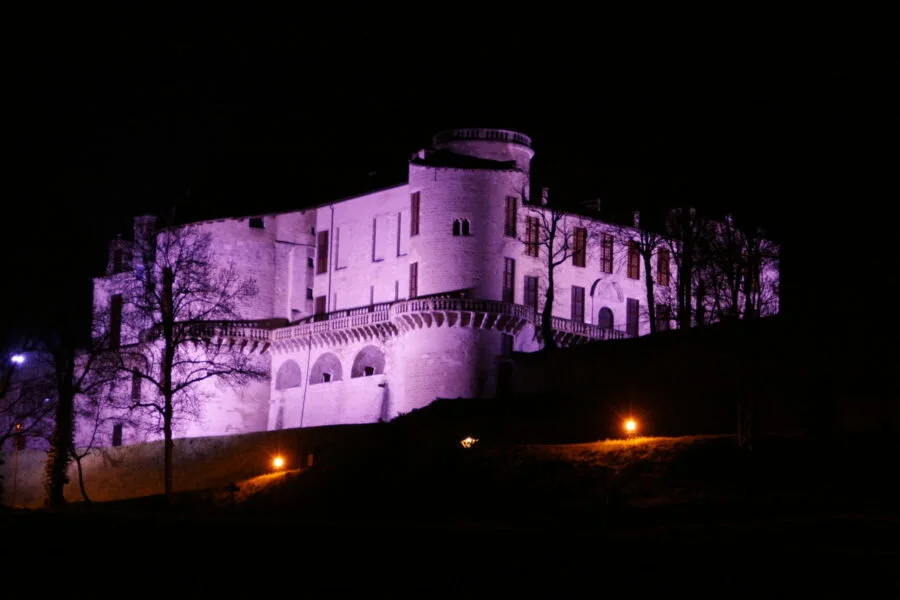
x=334 y=321
x=276 y=329
x=488 y=135
x=461 y=305
x=594 y=332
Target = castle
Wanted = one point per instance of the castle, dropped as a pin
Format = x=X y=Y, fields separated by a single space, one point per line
x=375 y=305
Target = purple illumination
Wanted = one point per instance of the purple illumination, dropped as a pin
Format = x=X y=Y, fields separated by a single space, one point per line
x=375 y=305
x=18 y=359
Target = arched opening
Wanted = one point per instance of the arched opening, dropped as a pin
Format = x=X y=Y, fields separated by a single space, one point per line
x=369 y=361
x=289 y=376
x=326 y=369
x=605 y=318
x=456 y=227
x=465 y=227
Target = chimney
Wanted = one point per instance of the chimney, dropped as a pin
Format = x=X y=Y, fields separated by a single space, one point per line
x=637 y=219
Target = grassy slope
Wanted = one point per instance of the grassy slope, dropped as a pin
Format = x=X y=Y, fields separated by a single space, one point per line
x=200 y=463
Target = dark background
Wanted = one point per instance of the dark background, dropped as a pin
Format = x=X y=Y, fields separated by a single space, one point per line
x=213 y=119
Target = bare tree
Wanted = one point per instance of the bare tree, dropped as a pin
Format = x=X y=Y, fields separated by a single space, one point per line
x=95 y=412
x=683 y=235
x=643 y=243
x=174 y=303
x=26 y=395
x=554 y=236
x=741 y=273
x=79 y=372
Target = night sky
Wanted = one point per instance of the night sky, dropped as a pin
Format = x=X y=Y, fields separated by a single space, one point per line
x=214 y=121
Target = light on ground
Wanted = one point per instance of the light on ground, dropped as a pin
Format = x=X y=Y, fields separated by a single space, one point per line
x=630 y=425
x=278 y=462
x=468 y=442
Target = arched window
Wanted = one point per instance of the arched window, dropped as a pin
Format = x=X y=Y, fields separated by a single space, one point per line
x=326 y=369
x=456 y=227
x=465 y=227
x=369 y=361
x=289 y=376
x=605 y=318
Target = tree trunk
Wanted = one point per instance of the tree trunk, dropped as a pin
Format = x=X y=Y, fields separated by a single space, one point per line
x=168 y=321
x=547 y=317
x=63 y=432
x=651 y=300
x=81 y=480
x=700 y=311
x=169 y=447
x=685 y=274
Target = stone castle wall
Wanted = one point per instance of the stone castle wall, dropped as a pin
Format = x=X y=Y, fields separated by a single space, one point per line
x=413 y=359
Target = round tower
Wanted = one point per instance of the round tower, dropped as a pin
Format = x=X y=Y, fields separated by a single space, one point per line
x=466 y=188
x=463 y=185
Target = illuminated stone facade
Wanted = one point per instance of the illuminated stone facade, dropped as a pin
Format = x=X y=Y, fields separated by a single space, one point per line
x=375 y=305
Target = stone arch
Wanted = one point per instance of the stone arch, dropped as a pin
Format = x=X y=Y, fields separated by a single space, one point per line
x=326 y=369
x=605 y=318
x=368 y=361
x=289 y=376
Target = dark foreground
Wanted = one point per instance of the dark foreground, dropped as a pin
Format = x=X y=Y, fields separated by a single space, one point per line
x=105 y=551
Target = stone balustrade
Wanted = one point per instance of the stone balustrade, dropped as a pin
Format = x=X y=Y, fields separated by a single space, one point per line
x=389 y=317
x=481 y=134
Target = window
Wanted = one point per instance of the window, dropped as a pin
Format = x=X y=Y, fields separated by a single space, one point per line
x=322 y=253
x=257 y=223
x=396 y=290
x=578 y=304
x=402 y=240
x=605 y=318
x=531 y=292
x=414 y=214
x=309 y=262
x=135 y=385
x=634 y=261
x=338 y=263
x=117 y=434
x=413 y=280
x=632 y=314
x=309 y=293
x=509 y=229
x=380 y=237
x=662 y=267
x=320 y=305
x=368 y=371
x=326 y=377
x=606 y=253
x=509 y=280
x=662 y=317
x=532 y=236
x=461 y=227
x=115 y=321
x=579 y=252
